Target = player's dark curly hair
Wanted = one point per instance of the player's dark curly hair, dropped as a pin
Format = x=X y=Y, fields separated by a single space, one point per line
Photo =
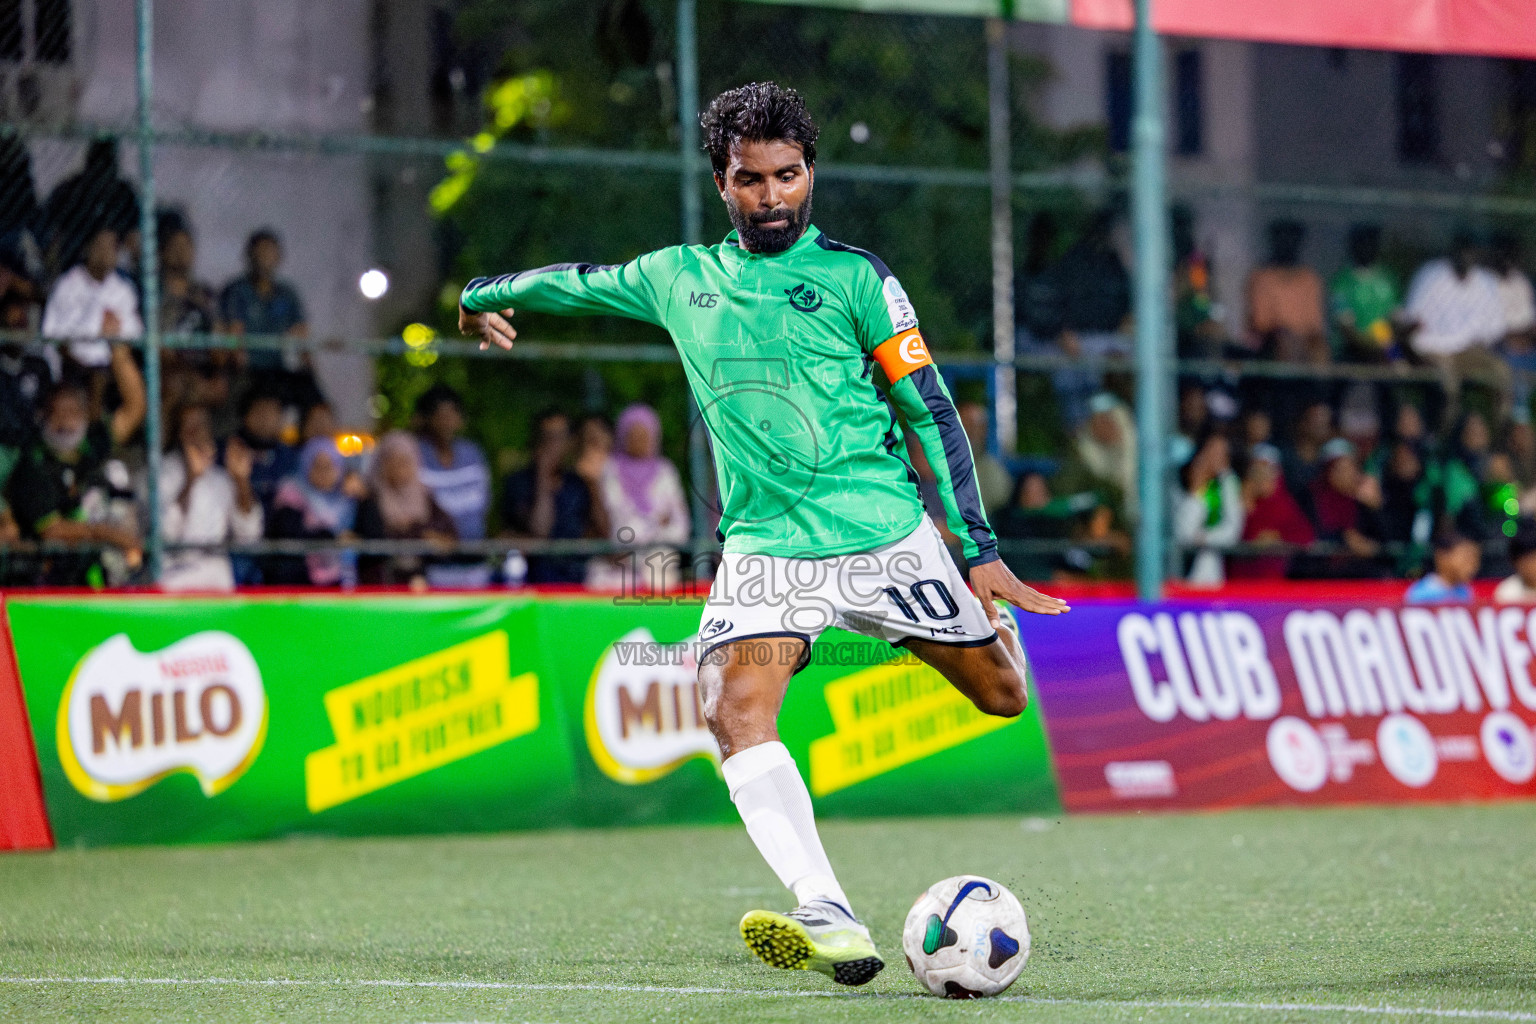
x=759 y=112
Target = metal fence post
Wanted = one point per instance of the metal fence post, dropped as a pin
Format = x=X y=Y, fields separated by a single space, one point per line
x=1005 y=415
x=1149 y=205
x=700 y=468
x=149 y=276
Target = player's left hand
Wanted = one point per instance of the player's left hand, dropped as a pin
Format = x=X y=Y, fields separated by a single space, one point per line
x=994 y=580
x=491 y=328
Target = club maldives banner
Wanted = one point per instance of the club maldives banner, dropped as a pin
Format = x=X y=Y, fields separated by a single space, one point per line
x=1215 y=705
x=150 y=719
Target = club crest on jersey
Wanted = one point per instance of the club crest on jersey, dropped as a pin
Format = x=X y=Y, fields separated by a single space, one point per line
x=804 y=297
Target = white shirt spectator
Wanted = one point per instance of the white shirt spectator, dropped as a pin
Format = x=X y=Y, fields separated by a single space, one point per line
x=1454 y=313
x=212 y=516
x=1192 y=526
x=1519 y=303
x=77 y=308
x=1512 y=590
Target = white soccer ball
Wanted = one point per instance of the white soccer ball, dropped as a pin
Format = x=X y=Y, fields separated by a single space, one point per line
x=966 y=937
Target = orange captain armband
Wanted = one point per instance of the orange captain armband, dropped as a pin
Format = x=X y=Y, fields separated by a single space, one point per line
x=903 y=354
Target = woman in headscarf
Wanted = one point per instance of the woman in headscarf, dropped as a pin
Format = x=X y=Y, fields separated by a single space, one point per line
x=1208 y=510
x=399 y=507
x=646 y=506
x=318 y=503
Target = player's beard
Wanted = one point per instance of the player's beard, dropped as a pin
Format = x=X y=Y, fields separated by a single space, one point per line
x=760 y=239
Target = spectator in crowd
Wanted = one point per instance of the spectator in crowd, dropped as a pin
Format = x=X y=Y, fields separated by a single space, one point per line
x=94 y=198
x=1197 y=318
x=1461 y=473
x=642 y=495
x=594 y=445
x=1208 y=510
x=1102 y=459
x=452 y=466
x=261 y=303
x=20 y=257
x=319 y=502
x=399 y=507
x=318 y=420
x=1359 y=423
x=1313 y=430
x=1271 y=516
x=1520 y=586
x=993 y=480
x=1520 y=445
x=1456 y=561
x=1344 y=505
x=93 y=304
x=261 y=432
x=1091 y=293
x=1364 y=298
x=187 y=306
x=1194 y=412
x=1519 y=305
x=1456 y=316
x=202 y=502
x=546 y=500
x=1255 y=428
x=24 y=380
x=61 y=486
x=1285 y=301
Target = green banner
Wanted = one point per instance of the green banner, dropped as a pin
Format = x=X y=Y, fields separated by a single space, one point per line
x=165 y=720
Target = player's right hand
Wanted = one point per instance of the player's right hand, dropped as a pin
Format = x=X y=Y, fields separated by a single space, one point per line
x=490 y=328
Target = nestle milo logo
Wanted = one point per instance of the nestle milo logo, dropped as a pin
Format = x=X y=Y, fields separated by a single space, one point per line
x=644 y=712
x=127 y=719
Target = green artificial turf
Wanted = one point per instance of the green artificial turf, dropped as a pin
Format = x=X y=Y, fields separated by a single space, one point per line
x=1147 y=918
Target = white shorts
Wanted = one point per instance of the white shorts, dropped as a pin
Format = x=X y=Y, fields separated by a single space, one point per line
x=908 y=589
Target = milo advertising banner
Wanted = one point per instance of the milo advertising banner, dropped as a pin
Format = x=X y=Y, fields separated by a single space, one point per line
x=169 y=720
x=1186 y=705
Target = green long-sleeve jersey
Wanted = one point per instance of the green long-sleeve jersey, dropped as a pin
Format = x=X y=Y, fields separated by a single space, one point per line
x=780 y=351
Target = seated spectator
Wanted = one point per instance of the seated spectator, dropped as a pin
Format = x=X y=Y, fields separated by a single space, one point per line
x=399 y=507
x=319 y=502
x=643 y=496
x=1271 y=516
x=1102 y=459
x=1363 y=300
x=1196 y=316
x=24 y=381
x=1461 y=474
x=993 y=480
x=453 y=467
x=1208 y=510
x=260 y=303
x=96 y=196
x=1520 y=587
x=1035 y=514
x=1359 y=423
x=1409 y=497
x=1456 y=561
x=187 y=306
x=1194 y=412
x=1313 y=430
x=1255 y=428
x=1344 y=505
x=18 y=198
x=62 y=485
x=93 y=304
x=1456 y=316
x=547 y=501
x=318 y=420
x=1519 y=305
x=1520 y=445
x=202 y=502
x=261 y=432
x=594 y=445
x=1285 y=301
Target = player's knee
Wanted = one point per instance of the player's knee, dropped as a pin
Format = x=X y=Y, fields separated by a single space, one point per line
x=1005 y=697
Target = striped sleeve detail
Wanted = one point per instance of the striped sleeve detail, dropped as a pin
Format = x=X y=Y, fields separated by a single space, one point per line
x=957 y=475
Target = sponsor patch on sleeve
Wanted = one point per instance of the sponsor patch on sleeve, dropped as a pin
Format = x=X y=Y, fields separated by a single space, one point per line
x=903 y=318
x=902 y=354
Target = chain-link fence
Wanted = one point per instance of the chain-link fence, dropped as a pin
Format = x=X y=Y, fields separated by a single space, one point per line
x=323 y=177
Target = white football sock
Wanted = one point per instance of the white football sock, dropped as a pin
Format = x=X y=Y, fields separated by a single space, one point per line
x=768 y=791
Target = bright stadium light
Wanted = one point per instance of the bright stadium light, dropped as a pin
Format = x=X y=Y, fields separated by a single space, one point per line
x=373 y=284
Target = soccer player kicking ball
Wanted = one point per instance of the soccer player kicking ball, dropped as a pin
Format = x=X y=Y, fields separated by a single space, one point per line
x=782 y=332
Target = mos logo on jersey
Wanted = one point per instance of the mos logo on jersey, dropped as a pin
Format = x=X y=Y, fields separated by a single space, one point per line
x=804 y=297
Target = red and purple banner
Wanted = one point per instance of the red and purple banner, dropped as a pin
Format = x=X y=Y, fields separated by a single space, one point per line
x=1184 y=705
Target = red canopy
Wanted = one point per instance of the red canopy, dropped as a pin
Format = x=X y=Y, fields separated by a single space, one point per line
x=1499 y=28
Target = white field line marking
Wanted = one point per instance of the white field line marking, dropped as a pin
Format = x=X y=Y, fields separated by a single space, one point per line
x=691 y=990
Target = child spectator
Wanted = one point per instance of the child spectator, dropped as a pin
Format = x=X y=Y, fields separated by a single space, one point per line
x=1520 y=587
x=1456 y=561
x=317 y=503
x=644 y=499
x=1271 y=517
x=1208 y=510
x=399 y=507
x=204 y=503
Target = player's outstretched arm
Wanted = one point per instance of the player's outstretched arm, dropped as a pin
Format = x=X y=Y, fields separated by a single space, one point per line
x=995 y=581
x=491 y=328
